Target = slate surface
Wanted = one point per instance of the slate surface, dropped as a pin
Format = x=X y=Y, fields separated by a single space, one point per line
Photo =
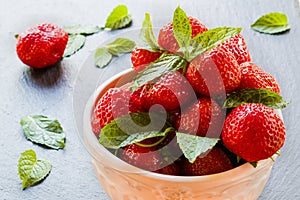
x=50 y=92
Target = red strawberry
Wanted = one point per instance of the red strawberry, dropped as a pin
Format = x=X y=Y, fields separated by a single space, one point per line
x=215 y=161
x=253 y=132
x=113 y=104
x=41 y=45
x=141 y=58
x=171 y=91
x=255 y=77
x=172 y=169
x=143 y=157
x=166 y=37
x=238 y=47
x=202 y=118
x=214 y=72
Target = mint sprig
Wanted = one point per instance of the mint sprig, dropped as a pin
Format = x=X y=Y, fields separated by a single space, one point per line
x=163 y=65
x=31 y=170
x=132 y=128
x=192 y=146
x=44 y=131
x=75 y=43
x=254 y=95
x=271 y=23
x=118 y=18
x=147 y=34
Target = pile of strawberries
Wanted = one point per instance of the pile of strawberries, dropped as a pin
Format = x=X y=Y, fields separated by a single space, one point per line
x=193 y=100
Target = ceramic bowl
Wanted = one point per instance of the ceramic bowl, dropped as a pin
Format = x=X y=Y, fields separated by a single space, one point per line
x=122 y=181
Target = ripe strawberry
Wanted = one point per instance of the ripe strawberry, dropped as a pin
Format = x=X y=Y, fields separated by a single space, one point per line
x=143 y=157
x=215 y=161
x=171 y=91
x=166 y=37
x=113 y=104
x=172 y=169
x=238 y=47
x=253 y=132
x=255 y=77
x=214 y=72
x=203 y=118
x=141 y=58
x=42 y=45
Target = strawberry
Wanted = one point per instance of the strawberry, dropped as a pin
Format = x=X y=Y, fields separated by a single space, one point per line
x=170 y=91
x=203 y=118
x=113 y=104
x=214 y=72
x=215 y=161
x=42 y=45
x=172 y=169
x=166 y=37
x=255 y=77
x=253 y=132
x=143 y=157
x=141 y=58
x=238 y=47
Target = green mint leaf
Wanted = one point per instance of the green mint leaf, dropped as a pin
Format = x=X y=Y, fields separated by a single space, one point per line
x=82 y=29
x=147 y=34
x=163 y=65
x=182 y=30
x=31 y=170
x=118 y=18
x=131 y=128
x=120 y=45
x=210 y=39
x=102 y=57
x=192 y=146
x=271 y=23
x=42 y=130
x=75 y=42
x=254 y=95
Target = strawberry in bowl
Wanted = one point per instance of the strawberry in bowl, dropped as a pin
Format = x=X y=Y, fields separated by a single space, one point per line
x=193 y=119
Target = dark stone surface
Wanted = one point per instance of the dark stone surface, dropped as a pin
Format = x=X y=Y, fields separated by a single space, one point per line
x=50 y=92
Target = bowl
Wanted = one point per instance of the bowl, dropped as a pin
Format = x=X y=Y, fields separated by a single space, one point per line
x=122 y=181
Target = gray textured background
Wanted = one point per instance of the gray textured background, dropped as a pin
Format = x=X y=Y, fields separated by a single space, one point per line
x=50 y=92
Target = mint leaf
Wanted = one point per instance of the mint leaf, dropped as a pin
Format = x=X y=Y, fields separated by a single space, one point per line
x=102 y=57
x=271 y=23
x=164 y=64
x=147 y=34
x=120 y=45
x=75 y=42
x=31 y=170
x=254 y=95
x=118 y=18
x=210 y=39
x=192 y=146
x=82 y=29
x=42 y=130
x=182 y=30
x=131 y=128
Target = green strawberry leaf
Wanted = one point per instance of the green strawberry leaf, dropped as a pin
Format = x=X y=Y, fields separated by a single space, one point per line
x=182 y=30
x=102 y=57
x=254 y=95
x=82 y=29
x=131 y=128
x=192 y=146
x=75 y=42
x=44 y=131
x=164 y=64
x=210 y=39
x=271 y=23
x=31 y=170
x=118 y=18
x=120 y=45
x=254 y=164
x=147 y=35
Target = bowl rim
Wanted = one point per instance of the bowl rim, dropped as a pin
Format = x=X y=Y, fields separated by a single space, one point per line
x=100 y=154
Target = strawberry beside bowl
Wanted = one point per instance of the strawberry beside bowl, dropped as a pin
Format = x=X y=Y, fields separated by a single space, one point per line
x=121 y=180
